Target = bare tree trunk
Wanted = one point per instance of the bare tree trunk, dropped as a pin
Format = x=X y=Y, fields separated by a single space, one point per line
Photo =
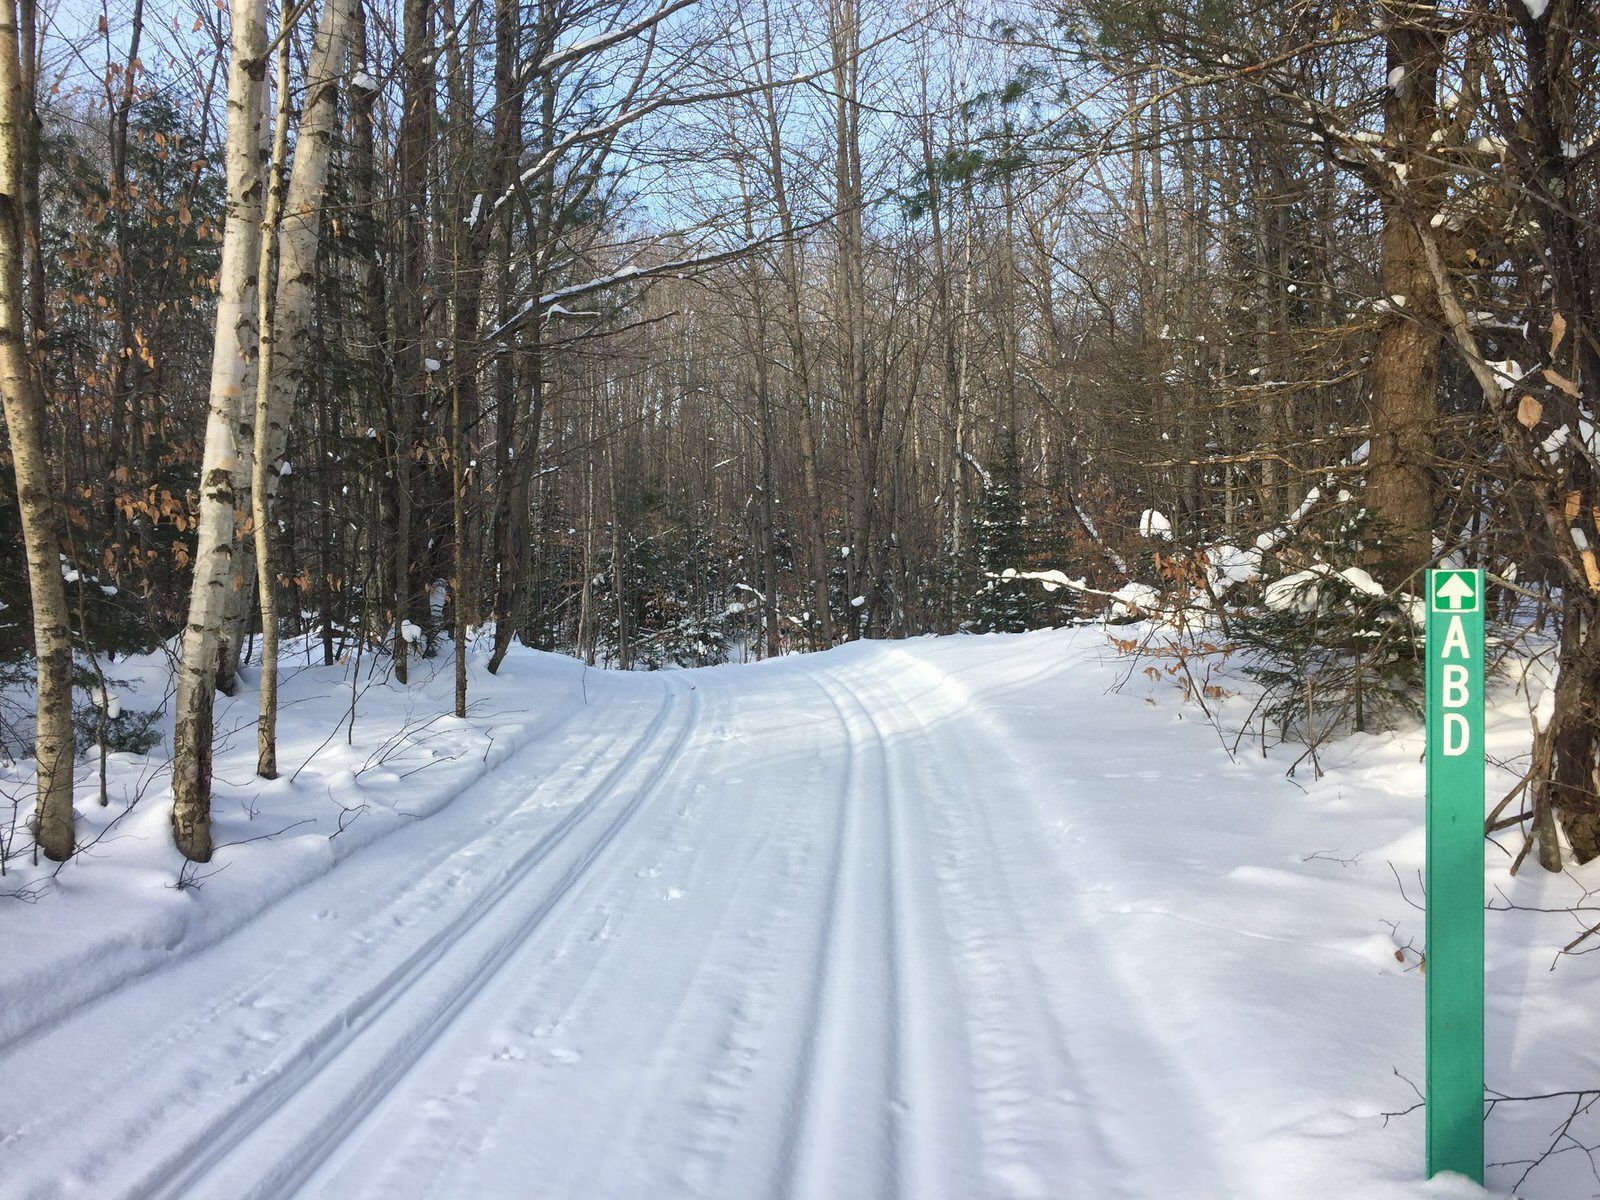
x=769 y=553
x=34 y=303
x=473 y=230
x=124 y=389
x=458 y=514
x=24 y=411
x=821 y=561
x=1552 y=107
x=509 y=422
x=410 y=381
x=850 y=312
x=767 y=537
x=261 y=543
x=241 y=606
x=371 y=287
x=586 y=638
x=284 y=356
x=232 y=350
x=618 y=588
x=1405 y=369
x=468 y=247
x=944 y=315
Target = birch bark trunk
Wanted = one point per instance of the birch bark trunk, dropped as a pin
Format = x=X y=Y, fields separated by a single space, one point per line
x=24 y=412
x=241 y=602
x=233 y=350
x=284 y=363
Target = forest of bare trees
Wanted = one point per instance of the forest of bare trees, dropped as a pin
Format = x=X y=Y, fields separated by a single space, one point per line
x=658 y=331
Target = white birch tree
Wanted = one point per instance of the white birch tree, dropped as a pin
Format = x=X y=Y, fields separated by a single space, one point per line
x=232 y=357
x=284 y=363
x=24 y=410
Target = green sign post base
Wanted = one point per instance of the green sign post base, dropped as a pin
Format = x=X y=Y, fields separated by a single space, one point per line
x=1454 y=968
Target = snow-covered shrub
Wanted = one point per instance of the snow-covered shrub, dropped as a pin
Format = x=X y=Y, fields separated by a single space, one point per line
x=1133 y=602
x=1334 y=650
x=696 y=640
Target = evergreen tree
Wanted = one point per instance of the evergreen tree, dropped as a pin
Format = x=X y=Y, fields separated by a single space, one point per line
x=1003 y=544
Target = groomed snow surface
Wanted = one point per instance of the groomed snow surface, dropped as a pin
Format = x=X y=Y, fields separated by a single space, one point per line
x=946 y=919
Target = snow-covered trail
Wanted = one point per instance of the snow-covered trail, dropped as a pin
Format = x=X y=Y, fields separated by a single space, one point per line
x=838 y=927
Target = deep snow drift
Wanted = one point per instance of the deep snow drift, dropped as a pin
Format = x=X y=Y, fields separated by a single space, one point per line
x=949 y=918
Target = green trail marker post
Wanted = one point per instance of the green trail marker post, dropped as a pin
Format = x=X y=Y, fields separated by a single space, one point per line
x=1454 y=970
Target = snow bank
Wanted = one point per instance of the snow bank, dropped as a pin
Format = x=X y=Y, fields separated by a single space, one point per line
x=130 y=903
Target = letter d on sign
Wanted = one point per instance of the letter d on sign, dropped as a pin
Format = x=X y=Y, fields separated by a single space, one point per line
x=1454 y=1092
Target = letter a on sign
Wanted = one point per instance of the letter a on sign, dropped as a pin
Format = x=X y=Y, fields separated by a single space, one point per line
x=1454 y=1092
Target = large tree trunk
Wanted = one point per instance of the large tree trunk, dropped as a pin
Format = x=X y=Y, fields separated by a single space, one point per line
x=1572 y=793
x=24 y=411
x=241 y=609
x=546 y=216
x=509 y=422
x=233 y=349
x=1405 y=370
x=285 y=357
x=410 y=379
x=473 y=233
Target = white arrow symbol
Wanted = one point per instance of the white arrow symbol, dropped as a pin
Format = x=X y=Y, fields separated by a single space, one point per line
x=1454 y=592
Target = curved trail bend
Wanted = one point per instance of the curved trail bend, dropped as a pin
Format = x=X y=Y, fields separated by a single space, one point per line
x=834 y=927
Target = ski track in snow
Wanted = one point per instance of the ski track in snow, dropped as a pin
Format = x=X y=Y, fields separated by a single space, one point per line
x=320 y=1126
x=825 y=928
x=858 y=996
